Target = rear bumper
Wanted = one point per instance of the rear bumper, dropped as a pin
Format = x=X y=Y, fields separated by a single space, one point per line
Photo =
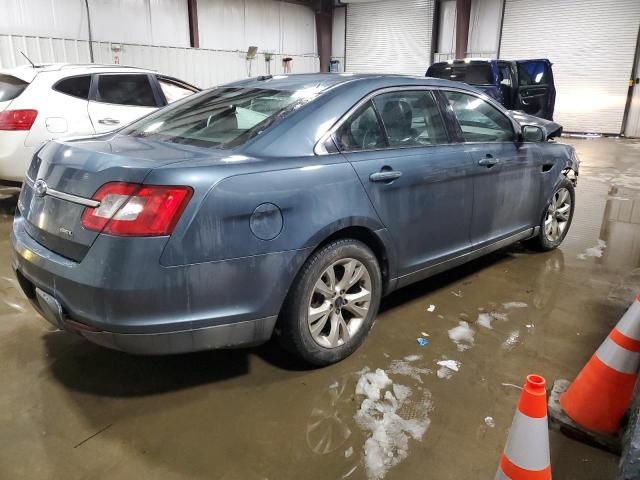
x=15 y=158
x=130 y=302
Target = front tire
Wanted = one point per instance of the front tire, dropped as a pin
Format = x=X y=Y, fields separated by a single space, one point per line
x=332 y=303
x=556 y=219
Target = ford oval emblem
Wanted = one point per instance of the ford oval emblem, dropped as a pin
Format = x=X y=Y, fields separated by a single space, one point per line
x=40 y=188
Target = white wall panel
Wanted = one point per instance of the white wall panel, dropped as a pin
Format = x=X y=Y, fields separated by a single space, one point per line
x=272 y=26
x=446 y=30
x=154 y=22
x=591 y=44
x=202 y=67
x=390 y=36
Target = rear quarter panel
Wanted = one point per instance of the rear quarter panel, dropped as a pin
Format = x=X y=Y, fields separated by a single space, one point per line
x=315 y=200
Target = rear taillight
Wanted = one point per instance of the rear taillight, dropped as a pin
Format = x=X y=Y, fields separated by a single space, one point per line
x=17 y=119
x=136 y=210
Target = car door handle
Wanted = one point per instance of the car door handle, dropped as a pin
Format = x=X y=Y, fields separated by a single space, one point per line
x=488 y=161
x=386 y=176
x=109 y=121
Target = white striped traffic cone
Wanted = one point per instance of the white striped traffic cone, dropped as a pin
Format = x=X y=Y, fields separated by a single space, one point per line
x=526 y=456
x=599 y=396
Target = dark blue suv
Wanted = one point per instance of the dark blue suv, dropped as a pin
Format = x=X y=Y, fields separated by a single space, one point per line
x=525 y=85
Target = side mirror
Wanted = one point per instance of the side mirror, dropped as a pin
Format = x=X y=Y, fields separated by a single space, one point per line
x=532 y=133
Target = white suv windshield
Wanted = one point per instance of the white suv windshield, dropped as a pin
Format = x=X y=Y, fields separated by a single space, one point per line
x=224 y=117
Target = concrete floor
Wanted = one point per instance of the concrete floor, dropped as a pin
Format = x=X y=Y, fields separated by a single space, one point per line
x=72 y=410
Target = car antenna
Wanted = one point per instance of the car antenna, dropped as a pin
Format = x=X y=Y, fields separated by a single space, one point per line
x=28 y=59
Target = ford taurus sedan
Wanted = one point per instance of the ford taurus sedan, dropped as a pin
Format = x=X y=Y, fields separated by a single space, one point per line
x=283 y=206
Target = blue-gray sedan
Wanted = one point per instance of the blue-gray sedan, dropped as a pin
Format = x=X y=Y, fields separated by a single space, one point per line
x=284 y=205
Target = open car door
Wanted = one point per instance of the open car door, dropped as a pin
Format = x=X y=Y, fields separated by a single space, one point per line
x=536 y=92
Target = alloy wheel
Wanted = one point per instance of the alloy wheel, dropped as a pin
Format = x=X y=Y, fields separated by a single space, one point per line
x=339 y=302
x=558 y=215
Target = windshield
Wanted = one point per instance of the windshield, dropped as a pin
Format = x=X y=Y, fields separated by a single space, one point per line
x=224 y=117
x=471 y=73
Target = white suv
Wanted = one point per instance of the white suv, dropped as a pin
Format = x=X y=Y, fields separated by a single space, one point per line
x=38 y=103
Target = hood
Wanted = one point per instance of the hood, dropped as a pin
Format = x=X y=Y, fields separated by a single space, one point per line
x=551 y=128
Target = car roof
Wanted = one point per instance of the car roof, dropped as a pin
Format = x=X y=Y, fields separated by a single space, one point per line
x=324 y=81
x=29 y=72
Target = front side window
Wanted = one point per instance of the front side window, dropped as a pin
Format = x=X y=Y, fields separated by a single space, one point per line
x=224 y=117
x=411 y=118
x=361 y=132
x=132 y=90
x=173 y=91
x=479 y=120
x=75 y=86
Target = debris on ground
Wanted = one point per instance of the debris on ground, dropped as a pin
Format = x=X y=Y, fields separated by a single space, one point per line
x=348 y=452
x=424 y=334
x=422 y=341
x=431 y=308
x=462 y=336
x=489 y=422
x=458 y=293
x=512 y=340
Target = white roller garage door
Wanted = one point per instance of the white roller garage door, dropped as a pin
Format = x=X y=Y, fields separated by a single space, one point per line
x=591 y=44
x=389 y=36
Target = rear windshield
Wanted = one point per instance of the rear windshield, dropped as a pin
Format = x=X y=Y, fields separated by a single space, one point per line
x=224 y=117
x=471 y=73
x=10 y=87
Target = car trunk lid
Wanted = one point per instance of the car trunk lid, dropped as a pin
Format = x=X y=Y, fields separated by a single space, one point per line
x=64 y=175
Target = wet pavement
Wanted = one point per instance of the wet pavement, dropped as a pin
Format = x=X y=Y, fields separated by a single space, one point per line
x=69 y=409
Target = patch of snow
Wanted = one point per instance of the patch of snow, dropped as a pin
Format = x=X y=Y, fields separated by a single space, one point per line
x=441 y=316
x=462 y=336
x=371 y=383
x=412 y=358
x=334 y=385
x=424 y=334
x=489 y=422
x=448 y=368
x=402 y=367
x=432 y=308
x=484 y=320
x=458 y=293
x=348 y=452
x=500 y=316
x=530 y=325
x=512 y=340
x=509 y=305
x=511 y=385
x=594 y=251
x=391 y=421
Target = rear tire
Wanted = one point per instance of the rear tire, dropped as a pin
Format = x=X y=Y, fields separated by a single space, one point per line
x=556 y=219
x=332 y=303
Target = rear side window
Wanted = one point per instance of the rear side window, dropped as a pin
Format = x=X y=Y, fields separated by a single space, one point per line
x=532 y=73
x=479 y=120
x=472 y=73
x=11 y=87
x=75 y=86
x=411 y=118
x=133 y=90
x=361 y=132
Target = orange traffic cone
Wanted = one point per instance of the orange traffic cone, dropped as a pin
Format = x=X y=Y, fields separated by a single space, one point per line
x=599 y=396
x=526 y=456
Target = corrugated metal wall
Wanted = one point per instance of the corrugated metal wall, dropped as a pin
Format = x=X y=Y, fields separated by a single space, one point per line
x=201 y=67
x=130 y=31
x=391 y=36
x=591 y=44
